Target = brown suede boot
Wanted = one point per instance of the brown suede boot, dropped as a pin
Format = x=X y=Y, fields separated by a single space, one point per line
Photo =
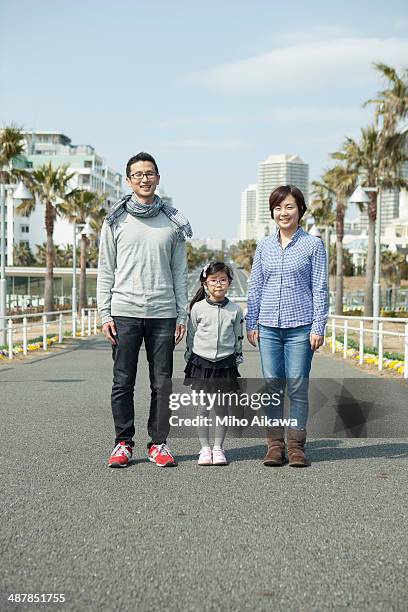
x=275 y=454
x=296 y=447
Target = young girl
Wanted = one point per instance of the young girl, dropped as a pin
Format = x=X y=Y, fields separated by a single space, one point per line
x=214 y=349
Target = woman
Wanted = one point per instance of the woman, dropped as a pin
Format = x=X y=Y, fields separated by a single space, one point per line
x=287 y=314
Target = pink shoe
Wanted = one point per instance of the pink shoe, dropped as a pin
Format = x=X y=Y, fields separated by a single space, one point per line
x=205 y=457
x=218 y=457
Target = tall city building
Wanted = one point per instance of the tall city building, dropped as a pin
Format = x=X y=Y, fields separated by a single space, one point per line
x=90 y=173
x=274 y=171
x=247 y=229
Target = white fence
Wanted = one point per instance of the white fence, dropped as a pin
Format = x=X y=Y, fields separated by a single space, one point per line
x=18 y=327
x=346 y=324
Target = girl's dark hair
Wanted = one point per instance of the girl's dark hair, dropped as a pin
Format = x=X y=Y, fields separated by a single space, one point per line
x=211 y=268
x=280 y=193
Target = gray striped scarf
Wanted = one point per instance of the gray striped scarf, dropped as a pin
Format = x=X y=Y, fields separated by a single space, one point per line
x=131 y=205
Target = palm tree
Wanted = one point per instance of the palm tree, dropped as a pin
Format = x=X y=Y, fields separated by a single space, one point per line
x=11 y=146
x=49 y=186
x=341 y=182
x=80 y=207
x=377 y=160
x=22 y=255
x=391 y=103
x=392 y=264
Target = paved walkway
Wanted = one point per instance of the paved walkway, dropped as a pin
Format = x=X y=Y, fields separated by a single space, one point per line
x=244 y=537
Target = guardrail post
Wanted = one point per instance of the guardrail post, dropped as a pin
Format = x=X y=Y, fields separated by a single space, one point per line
x=380 y=345
x=345 y=340
x=361 y=343
x=82 y=321
x=406 y=351
x=25 y=336
x=333 y=335
x=44 y=332
x=95 y=328
x=89 y=322
x=60 y=324
x=10 y=338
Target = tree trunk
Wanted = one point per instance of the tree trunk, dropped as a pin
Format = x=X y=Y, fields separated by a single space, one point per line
x=83 y=301
x=339 y=257
x=372 y=214
x=49 y=258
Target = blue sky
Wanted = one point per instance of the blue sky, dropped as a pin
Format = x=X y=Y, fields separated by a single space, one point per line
x=208 y=88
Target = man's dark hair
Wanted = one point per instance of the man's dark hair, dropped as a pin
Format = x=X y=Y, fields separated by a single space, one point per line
x=280 y=193
x=142 y=156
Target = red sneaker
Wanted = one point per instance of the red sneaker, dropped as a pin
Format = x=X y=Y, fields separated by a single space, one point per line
x=121 y=455
x=160 y=455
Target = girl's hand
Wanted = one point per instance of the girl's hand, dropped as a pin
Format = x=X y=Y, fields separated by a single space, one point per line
x=179 y=333
x=316 y=341
x=253 y=337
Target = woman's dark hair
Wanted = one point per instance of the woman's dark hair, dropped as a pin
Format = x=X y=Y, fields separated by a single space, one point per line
x=280 y=193
x=211 y=268
x=142 y=156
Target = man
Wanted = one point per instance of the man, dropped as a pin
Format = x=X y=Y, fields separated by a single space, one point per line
x=142 y=296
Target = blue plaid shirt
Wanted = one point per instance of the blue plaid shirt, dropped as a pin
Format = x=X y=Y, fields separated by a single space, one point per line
x=288 y=287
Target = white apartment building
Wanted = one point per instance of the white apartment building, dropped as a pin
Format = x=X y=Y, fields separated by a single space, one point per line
x=247 y=228
x=274 y=171
x=90 y=172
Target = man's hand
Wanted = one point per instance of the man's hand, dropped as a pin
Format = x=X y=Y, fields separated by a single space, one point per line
x=179 y=333
x=316 y=341
x=109 y=330
x=253 y=337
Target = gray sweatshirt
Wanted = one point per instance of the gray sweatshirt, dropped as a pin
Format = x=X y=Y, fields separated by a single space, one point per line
x=142 y=269
x=215 y=331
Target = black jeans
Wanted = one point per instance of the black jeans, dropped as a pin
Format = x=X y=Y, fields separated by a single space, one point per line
x=158 y=336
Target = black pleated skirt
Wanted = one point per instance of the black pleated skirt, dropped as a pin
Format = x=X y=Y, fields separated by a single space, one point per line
x=202 y=373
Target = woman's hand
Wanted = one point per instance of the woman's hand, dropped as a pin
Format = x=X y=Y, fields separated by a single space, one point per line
x=253 y=337
x=316 y=341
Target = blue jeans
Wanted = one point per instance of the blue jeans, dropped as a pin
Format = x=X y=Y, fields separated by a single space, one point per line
x=286 y=359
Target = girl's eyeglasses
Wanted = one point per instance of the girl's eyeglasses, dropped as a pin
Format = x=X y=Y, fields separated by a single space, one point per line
x=222 y=281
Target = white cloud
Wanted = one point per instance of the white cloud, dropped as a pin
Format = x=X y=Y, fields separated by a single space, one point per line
x=197 y=144
x=282 y=114
x=343 y=63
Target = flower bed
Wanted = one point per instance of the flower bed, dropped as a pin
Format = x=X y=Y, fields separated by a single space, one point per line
x=33 y=345
x=370 y=358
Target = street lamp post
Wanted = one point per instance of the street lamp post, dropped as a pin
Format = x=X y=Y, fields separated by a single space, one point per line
x=20 y=193
x=360 y=197
x=74 y=297
x=85 y=230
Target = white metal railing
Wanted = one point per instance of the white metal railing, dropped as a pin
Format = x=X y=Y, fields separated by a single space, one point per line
x=344 y=324
x=63 y=321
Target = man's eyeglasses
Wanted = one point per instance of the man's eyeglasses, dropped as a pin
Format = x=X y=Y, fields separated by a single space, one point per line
x=221 y=281
x=138 y=176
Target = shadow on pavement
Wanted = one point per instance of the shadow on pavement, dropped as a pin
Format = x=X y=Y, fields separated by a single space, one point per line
x=331 y=450
x=318 y=451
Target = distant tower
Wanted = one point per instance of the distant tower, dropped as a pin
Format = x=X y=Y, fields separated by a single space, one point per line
x=248 y=213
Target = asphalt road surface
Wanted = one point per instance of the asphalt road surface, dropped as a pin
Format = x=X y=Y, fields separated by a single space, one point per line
x=236 y=538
